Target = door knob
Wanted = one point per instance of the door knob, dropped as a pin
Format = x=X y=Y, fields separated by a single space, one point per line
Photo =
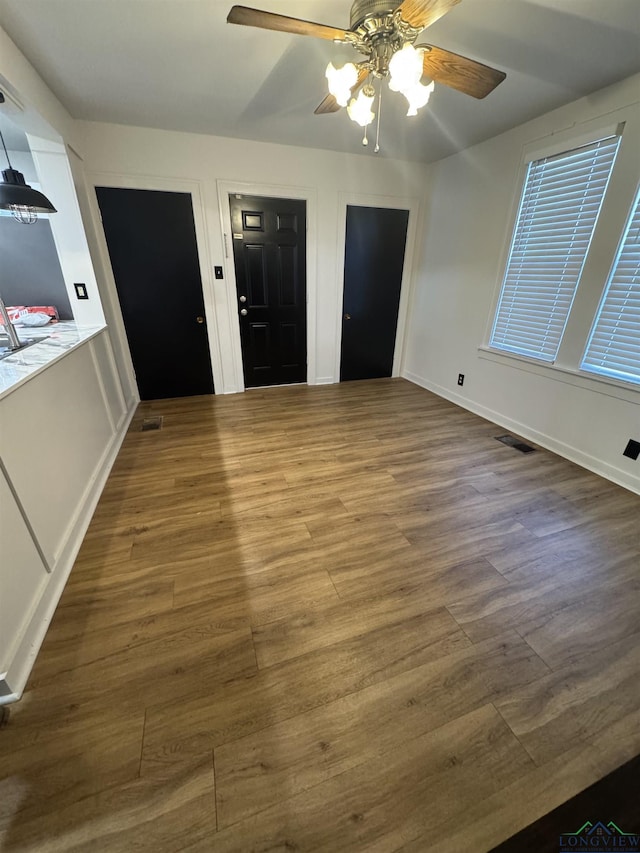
x=243 y=299
x=244 y=312
x=347 y=316
x=199 y=319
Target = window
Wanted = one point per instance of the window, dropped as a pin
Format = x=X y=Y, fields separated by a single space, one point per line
x=614 y=345
x=560 y=203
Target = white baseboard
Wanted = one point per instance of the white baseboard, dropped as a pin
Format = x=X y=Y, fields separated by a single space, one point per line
x=131 y=406
x=324 y=380
x=13 y=682
x=591 y=463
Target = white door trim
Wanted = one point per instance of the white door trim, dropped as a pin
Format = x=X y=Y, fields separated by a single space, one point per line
x=227 y=188
x=407 y=284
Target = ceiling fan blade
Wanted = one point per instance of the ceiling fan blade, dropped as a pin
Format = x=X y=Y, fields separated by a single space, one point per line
x=423 y=13
x=281 y=23
x=466 y=75
x=330 y=105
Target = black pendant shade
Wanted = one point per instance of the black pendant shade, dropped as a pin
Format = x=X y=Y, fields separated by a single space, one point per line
x=16 y=195
x=15 y=192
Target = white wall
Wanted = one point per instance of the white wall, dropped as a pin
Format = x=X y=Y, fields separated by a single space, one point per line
x=61 y=432
x=23 y=162
x=49 y=127
x=467 y=215
x=209 y=167
x=74 y=413
x=469 y=210
x=54 y=175
x=42 y=113
x=34 y=108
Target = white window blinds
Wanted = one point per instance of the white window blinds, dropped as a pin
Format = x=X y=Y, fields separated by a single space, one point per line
x=614 y=345
x=559 y=207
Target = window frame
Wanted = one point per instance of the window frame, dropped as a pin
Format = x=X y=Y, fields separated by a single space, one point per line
x=603 y=375
x=626 y=120
x=561 y=144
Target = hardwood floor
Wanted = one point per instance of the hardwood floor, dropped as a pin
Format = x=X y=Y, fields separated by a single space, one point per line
x=341 y=618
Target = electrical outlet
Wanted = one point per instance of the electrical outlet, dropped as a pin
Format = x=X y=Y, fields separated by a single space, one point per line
x=632 y=450
x=81 y=290
x=461 y=379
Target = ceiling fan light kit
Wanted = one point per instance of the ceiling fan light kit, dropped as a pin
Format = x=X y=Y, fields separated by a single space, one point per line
x=385 y=34
x=341 y=81
x=405 y=68
x=359 y=109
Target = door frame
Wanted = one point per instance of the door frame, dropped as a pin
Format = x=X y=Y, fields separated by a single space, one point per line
x=150 y=182
x=306 y=194
x=407 y=283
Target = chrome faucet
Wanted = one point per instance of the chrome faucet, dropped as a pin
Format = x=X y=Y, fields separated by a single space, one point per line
x=14 y=340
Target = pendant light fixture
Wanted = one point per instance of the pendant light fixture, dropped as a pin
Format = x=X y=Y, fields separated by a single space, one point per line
x=16 y=195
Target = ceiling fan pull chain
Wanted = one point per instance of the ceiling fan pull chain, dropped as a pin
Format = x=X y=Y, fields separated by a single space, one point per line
x=377 y=148
x=365 y=141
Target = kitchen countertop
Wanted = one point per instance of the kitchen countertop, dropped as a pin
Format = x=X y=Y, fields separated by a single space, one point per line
x=58 y=339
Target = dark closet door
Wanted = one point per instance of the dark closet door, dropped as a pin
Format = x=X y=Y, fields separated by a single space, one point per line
x=152 y=245
x=373 y=264
x=269 y=251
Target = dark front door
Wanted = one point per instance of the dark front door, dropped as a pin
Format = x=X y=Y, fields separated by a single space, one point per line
x=152 y=245
x=269 y=251
x=373 y=264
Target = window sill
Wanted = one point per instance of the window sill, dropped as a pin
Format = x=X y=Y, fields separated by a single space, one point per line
x=577 y=378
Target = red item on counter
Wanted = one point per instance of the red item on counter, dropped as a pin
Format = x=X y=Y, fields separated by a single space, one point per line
x=17 y=311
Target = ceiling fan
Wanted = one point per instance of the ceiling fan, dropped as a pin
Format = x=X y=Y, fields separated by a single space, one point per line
x=385 y=33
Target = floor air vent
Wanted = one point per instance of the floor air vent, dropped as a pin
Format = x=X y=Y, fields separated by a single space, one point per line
x=152 y=423
x=514 y=442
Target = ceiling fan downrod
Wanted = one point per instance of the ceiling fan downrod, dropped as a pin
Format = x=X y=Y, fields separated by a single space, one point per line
x=378 y=31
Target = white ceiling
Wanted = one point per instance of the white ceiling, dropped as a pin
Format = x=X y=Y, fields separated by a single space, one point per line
x=177 y=64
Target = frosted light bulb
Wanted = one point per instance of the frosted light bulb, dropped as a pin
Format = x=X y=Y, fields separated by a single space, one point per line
x=359 y=108
x=418 y=96
x=405 y=68
x=341 y=81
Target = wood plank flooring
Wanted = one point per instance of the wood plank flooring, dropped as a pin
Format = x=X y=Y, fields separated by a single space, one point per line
x=342 y=618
